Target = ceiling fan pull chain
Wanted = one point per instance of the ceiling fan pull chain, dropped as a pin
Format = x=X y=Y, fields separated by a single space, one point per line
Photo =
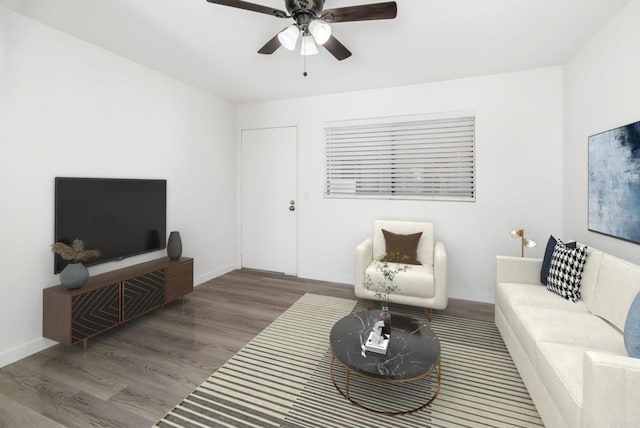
x=305 y=66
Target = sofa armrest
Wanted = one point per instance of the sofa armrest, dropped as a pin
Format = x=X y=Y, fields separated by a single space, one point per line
x=364 y=257
x=440 y=276
x=611 y=391
x=518 y=270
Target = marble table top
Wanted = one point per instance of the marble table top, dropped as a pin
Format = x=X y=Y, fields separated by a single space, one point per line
x=413 y=349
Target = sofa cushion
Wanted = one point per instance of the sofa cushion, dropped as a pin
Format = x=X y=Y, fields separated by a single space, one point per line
x=617 y=286
x=532 y=325
x=560 y=366
x=590 y=276
x=401 y=248
x=565 y=272
x=546 y=259
x=511 y=294
x=417 y=281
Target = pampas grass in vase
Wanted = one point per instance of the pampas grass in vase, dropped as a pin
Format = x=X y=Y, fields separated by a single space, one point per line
x=75 y=274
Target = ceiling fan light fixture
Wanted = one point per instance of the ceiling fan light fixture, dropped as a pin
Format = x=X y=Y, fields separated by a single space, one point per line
x=308 y=46
x=320 y=30
x=289 y=37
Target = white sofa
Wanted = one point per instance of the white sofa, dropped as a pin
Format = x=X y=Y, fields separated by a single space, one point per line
x=571 y=356
x=423 y=286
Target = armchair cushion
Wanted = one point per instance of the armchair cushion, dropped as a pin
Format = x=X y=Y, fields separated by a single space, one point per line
x=399 y=246
x=417 y=281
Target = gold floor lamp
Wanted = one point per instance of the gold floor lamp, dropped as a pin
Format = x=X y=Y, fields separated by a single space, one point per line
x=524 y=242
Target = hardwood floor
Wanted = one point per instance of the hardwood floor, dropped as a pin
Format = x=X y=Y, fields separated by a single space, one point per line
x=134 y=374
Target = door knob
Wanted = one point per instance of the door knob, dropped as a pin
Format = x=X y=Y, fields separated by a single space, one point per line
x=292 y=205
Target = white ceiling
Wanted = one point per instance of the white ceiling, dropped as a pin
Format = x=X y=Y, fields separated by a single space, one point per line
x=214 y=47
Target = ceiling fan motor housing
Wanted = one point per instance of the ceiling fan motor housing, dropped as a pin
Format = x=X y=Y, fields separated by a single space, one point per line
x=310 y=8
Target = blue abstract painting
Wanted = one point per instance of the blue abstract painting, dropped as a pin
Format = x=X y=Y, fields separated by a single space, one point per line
x=614 y=182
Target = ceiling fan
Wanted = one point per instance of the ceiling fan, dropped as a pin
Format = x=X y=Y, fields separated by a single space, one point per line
x=312 y=23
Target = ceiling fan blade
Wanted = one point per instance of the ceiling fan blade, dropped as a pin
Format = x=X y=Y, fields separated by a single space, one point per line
x=271 y=46
x=364 y=12
x=337 y=49
x=252 y=7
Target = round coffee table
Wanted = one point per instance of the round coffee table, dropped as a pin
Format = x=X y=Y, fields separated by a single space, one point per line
x=413 y=353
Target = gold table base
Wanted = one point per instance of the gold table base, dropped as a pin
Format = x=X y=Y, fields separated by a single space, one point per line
x=345 y=393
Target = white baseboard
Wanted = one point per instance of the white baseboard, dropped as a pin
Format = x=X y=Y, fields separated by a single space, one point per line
x=471 y=296
x=211 y=275
x=346 y=280
x=19 y=352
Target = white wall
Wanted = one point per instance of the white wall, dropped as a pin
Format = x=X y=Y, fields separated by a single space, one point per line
x=68 y=108
x=602 y=91
x=519 y=173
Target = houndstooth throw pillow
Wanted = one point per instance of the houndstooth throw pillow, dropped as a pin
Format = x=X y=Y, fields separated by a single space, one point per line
x=565 y=272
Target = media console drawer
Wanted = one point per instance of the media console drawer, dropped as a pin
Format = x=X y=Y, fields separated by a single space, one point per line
x=110 y=299
x=179 y=280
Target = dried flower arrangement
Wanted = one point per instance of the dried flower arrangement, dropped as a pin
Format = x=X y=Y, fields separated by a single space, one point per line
x=75 y=252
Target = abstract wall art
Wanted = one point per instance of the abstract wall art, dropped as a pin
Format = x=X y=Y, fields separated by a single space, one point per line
x=614 y=182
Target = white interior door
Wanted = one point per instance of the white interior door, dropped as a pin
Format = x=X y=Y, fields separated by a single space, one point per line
x=269 y=240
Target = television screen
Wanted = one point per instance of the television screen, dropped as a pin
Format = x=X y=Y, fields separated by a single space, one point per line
x=119 y=217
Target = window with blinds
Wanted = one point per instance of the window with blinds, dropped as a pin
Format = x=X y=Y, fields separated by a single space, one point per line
x=426 y=157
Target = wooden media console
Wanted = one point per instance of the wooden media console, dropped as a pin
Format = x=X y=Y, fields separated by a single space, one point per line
x=113 y=298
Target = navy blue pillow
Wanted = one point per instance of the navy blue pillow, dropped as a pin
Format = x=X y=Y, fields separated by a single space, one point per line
x=548 y=252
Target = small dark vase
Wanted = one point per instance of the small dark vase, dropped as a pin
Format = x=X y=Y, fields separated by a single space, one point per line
x=174 y=246
x=74 y=275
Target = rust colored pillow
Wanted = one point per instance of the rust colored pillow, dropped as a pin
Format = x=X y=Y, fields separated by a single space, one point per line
x=401 y=248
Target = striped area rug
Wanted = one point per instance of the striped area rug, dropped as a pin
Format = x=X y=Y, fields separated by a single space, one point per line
x=281 y=379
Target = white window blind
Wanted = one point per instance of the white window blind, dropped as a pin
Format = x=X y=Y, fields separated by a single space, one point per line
x=429 y=157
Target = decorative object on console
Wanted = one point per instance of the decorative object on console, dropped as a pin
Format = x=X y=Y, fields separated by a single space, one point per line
x=75 y=274
x=565 y=272
x=524 y=242
x=174 y=246
x=632 y=329
x=614 y=182
x=548 y=252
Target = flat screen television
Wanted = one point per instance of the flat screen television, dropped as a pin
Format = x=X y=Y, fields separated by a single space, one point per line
x=119 y=217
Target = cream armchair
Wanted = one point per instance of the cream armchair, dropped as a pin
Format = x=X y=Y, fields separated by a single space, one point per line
x=424 y=286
